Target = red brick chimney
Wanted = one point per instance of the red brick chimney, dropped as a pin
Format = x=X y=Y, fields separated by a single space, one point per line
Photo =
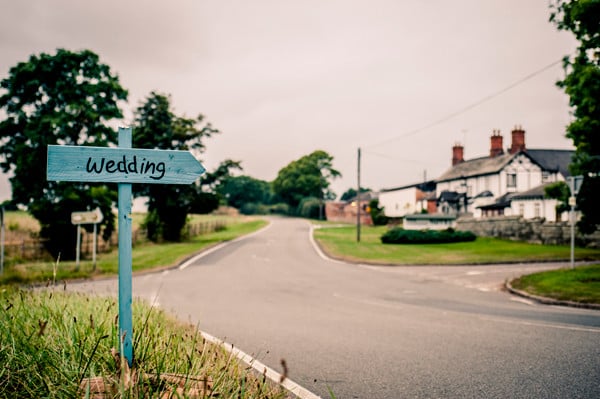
x=457 y=154
x=496 y=147
x=518 y=140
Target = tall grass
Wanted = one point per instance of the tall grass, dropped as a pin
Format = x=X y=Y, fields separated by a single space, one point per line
x=58 y=345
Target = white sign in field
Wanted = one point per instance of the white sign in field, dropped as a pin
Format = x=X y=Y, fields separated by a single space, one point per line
x=89 y=217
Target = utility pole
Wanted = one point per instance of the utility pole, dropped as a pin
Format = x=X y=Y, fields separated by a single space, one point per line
x=358 y=199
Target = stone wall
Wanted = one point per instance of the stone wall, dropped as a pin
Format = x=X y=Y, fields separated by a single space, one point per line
x=530 y=230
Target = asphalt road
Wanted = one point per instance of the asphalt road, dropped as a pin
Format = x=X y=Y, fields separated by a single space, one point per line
x=381 y=332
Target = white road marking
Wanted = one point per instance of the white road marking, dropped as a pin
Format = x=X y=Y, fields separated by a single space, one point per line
x=218 y=247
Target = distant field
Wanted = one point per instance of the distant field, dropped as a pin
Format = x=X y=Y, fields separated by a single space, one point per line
x=340 y=242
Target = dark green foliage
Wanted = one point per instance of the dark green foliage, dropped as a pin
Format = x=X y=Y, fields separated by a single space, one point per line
x=559 y=191
x=582 y=85
x=400 y=236
x=306 y=177
x=311 y=208
x=377 y=215
x=351 y=193
x=157 y=127
x=203 y=203
x=67 y=98
x=241 y=190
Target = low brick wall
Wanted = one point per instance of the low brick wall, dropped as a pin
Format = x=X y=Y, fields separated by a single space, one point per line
x=529 y=230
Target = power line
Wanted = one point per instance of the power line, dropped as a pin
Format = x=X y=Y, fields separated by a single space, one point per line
x=468 y=107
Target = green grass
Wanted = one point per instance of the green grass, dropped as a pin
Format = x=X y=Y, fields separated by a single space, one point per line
x=340 y=242
x=581 y=284
x=144 y=257
x=52 y=342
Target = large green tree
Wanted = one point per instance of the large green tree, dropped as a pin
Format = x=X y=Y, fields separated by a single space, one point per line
x=66 y=98
x=308 y=176
x=241 y=190
x=157 y=126
x=582 y=84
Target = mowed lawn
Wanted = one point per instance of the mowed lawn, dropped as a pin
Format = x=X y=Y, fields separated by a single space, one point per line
x=340 y=242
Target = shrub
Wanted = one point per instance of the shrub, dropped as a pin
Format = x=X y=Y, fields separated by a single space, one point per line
x=400 y=236
x=310 y=207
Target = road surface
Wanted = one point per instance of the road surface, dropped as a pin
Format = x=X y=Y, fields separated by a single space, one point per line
x=381 y=332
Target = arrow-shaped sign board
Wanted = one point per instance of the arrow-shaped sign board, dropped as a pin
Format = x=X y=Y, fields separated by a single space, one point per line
x=121 y=165
x=89 y=217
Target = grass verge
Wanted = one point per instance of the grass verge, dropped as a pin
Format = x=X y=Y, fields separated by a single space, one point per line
x=581 y=284
x=340 y=242
x=53 y=343
x=144 y=257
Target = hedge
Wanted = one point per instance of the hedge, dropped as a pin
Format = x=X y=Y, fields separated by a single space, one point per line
x=400 y=236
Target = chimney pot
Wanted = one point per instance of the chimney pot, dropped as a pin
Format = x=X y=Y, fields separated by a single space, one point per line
x=518 y=140
x=496 y=144
x=457 y=154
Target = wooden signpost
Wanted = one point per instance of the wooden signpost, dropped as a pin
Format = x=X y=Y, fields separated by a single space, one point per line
x=123 y=165
x=90 y=217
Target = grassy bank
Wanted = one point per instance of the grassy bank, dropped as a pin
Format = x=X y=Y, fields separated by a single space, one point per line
x=144 y=256
x=54 y=344
x=340 y=242
x=581 y=284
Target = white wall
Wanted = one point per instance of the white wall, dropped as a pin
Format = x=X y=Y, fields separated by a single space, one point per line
x=398 y=203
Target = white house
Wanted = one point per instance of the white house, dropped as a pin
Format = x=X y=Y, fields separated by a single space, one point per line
x=400 y=201
x=532 y=204
x=485 y=186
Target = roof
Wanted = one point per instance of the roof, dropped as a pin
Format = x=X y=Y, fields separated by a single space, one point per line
x=501 y=202
x=550 y=160
x=476 y=167
x=553 y=160
x=535 y=193
x=423 y=186
x=451 y=196
x=430 y=216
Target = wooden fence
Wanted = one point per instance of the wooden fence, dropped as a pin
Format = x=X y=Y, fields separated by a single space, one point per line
x=31 y=248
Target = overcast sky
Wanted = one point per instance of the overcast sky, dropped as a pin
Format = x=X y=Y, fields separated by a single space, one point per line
x=283 y=78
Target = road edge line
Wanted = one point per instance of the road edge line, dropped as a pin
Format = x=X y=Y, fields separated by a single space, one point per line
x=293 y=387
x=217 y=247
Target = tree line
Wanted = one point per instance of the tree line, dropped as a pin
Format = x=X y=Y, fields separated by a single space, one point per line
x=72 y=98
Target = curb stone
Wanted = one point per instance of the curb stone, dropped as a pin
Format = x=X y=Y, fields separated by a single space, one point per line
x=549 y=301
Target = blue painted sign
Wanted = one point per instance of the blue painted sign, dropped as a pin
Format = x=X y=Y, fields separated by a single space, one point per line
x=122 y=165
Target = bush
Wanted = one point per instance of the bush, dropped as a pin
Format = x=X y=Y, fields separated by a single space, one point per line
x=310 y=207
x=400 y=236
x=280 y=208
x=253 y=208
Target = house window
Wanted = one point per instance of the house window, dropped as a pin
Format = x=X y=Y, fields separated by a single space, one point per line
x=521 y=209
x=536 y=210
x=545 y=176
x=511 y=180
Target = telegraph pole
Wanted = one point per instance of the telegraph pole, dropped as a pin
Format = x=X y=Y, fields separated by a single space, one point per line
x=358 y=199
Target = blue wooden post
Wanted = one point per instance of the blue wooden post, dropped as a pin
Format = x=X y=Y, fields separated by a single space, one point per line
x=125 y=268
x=123 y=165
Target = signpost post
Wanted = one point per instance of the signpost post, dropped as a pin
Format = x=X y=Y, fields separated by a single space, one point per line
x=123 y=165
x=91 y=217
x=574 y=186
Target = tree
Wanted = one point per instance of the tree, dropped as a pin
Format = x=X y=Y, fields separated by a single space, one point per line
x=157 y=127
x=306 y=177
x=66 y=98
x=582 y=85
x=377 y=213
x=351 y=193
x=241 y=190
x=559 y=191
